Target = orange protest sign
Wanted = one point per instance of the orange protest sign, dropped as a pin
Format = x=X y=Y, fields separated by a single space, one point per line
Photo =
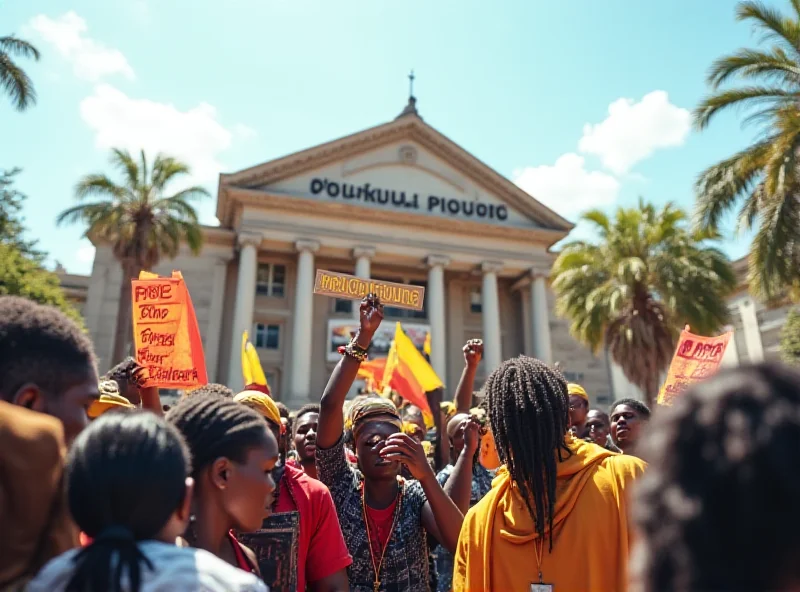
x=695 y=358
x=165 y=332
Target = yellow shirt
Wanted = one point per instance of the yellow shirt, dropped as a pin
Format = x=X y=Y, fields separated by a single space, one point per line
x=497 y=548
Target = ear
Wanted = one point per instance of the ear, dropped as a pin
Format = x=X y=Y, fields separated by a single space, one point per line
x=185 y=509
x=220 y=472
x=31 y=397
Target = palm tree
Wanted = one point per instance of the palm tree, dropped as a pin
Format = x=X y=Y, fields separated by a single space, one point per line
x=634 y=289
x=763 y=178
x=140 y=222
x=13 y=79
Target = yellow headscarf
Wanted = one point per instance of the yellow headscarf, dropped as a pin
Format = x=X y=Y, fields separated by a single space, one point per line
x=578 y=390
x=261 y=403
x=109 y=399
x=362 y=409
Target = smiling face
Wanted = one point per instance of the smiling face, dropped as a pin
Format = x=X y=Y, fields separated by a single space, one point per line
x=370 y=440
x=305 y=436
x=626 y=426
x=597 y=427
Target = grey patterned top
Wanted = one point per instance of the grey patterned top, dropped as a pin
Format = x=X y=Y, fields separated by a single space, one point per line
x=481 y=484
x=405 y=567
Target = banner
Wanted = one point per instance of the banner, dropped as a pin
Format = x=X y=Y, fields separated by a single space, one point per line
x=696 y=358
x=165 y=332
x=340 y=330
x=341 y=285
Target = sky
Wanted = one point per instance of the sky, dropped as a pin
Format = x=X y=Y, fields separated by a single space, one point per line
x=583 y=103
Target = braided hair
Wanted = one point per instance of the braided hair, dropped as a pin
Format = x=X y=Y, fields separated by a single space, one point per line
x=726 y=448
x=215 y=427
x=126 y=476
x=528 y=411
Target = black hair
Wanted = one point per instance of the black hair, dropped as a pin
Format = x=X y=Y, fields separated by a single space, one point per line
x=42 y=346
x=722 y=485
x=528 y=409
x=213 y=388
x=305 y=409
x=121 y=373
x=634 y=404
x=126 y=475
x=601 y=412
x=215 y=427
x=284 y=412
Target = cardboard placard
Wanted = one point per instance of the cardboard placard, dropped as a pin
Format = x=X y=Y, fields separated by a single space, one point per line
x=341 y=285
x=696 y=358
x=165 y=333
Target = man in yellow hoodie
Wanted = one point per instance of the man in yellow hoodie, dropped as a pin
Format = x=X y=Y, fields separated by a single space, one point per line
x=549 y=500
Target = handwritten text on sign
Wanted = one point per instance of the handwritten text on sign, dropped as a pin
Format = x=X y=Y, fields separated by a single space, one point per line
x=161 y=332
x=342 y=285
x=696 y=358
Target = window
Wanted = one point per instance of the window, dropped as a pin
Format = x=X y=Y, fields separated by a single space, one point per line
x=576 y=377
x=268 y=336
x=475 y=301
x=343 y=306
x=271 y=280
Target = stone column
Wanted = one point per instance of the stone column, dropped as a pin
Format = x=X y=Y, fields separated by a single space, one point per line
x=540 y=318
x=215 y=311
x=752 y=332
x=363 y=257
x=436 y=312
x=730 y=359
x=245 y=303
x=492 y=345
x=300 y=377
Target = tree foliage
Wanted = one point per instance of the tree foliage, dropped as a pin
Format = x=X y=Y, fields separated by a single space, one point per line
x=13 y=79
x=22 y=272
x=790 y=338
x=763 y=180
x=634 y=289
x=138 y=218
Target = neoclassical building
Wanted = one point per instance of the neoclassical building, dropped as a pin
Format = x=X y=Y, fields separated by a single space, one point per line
x=398 y=202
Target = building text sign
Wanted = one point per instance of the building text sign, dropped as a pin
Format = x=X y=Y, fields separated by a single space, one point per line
x=341 y=285
x=401 y=200
x=696 y=358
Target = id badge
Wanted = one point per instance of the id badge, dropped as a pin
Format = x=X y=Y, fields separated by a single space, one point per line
x=542 y=588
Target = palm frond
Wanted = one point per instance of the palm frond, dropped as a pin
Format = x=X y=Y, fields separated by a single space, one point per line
x=16 y=83
x=745 y=97
x=125 y=163
x=166 y=169
x=772 y=67
x=771 y=23
x=97 y=185
x=18 y=47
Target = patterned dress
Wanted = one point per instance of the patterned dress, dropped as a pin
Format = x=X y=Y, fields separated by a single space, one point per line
x=405 y=566
x=481 y=484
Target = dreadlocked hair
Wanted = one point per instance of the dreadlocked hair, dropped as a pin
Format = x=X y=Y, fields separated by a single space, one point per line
x=528 y=411
x=215 y=427
x=722 y=485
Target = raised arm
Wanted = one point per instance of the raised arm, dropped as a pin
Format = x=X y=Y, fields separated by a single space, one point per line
x=151 y=399
x=331 y=419
x=473 y=352
x=459 y=485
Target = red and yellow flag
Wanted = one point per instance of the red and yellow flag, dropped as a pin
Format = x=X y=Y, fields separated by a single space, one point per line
x=409 y=373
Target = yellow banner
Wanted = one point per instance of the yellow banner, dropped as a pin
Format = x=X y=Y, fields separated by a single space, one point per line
x=341 y=285
x=696 y=358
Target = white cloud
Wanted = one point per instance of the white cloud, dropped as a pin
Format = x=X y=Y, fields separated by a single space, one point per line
x=194 y=136
x=244 y=132
x=90 y=59
x=633 y=131
x=567 y=187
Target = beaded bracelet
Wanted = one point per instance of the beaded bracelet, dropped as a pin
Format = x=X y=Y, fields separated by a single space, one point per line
x=353 y=350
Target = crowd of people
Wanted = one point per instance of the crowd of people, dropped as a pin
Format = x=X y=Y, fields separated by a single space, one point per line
x=518 y=485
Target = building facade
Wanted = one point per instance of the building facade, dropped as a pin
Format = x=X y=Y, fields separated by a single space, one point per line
x=398 y=202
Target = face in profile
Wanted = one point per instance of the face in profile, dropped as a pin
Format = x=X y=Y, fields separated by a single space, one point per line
x=71 y=406
x=249 y=485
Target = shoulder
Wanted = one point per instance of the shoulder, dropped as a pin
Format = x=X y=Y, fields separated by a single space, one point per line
x=41 y=435
x=443 y=475
x=313 y=488
x=55 y=574
x=625 y=467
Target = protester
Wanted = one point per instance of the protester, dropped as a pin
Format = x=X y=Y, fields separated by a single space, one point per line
x=109 y=399
x=321 y=555
x=129 y=489
x=552 y=484
x=578 y=409
x=212 y=388
x=628 y=418
x=35 y=525
x=718 y=507
x=384 y=518
x=286 y=430
x=130 y=378
x=598 y=429
x=306 y=424
x=233 y=454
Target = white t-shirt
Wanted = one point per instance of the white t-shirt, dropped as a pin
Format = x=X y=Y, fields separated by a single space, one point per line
x=174 y=569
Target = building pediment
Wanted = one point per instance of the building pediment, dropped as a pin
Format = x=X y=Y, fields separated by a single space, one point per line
x=404 y=166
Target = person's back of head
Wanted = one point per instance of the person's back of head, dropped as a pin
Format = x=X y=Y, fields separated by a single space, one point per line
x=47 y=363
x=127 y=482
x=722 y=486
x=528 y=409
